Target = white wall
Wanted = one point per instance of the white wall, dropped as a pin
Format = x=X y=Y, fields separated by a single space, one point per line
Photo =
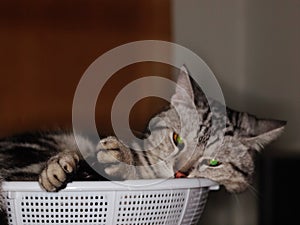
x=253 y=47
x=272 y=68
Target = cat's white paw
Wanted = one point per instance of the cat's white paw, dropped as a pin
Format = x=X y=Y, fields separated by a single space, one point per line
x=111 y=150
x=115 y=157
x=58 y=171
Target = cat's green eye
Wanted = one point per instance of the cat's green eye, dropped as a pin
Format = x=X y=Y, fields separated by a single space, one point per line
x=214 y=162
x=178 y=141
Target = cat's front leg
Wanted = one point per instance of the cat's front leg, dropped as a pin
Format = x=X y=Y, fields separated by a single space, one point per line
x=59 y=170
x=116 y=158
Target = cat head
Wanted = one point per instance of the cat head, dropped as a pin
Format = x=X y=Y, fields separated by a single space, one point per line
x=187 y=141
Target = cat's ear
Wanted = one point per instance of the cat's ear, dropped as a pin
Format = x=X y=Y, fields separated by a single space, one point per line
x=184 y=90
x=261 y=131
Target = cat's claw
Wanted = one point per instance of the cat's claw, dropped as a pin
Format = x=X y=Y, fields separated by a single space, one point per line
x=58 y=171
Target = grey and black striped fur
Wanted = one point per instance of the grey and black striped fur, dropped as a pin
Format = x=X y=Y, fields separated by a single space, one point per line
x=53 y=158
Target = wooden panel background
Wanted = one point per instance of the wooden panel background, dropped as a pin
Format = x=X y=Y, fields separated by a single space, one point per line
x=45 y=46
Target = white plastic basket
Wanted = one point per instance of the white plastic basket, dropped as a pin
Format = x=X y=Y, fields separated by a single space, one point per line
x=138 y=202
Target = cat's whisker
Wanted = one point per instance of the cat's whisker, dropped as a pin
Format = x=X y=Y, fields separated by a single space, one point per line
x=254 y=191
x=237 y=200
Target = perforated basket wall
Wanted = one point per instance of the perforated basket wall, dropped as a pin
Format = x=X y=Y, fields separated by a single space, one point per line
x=84 y=203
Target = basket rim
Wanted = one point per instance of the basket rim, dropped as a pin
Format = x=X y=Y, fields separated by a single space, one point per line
x=144 y=184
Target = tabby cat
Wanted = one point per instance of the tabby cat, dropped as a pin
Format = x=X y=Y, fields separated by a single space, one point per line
x=178 y=140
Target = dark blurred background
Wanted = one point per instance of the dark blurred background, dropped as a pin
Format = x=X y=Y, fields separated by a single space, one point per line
x=47 y=46
x=251 y=45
